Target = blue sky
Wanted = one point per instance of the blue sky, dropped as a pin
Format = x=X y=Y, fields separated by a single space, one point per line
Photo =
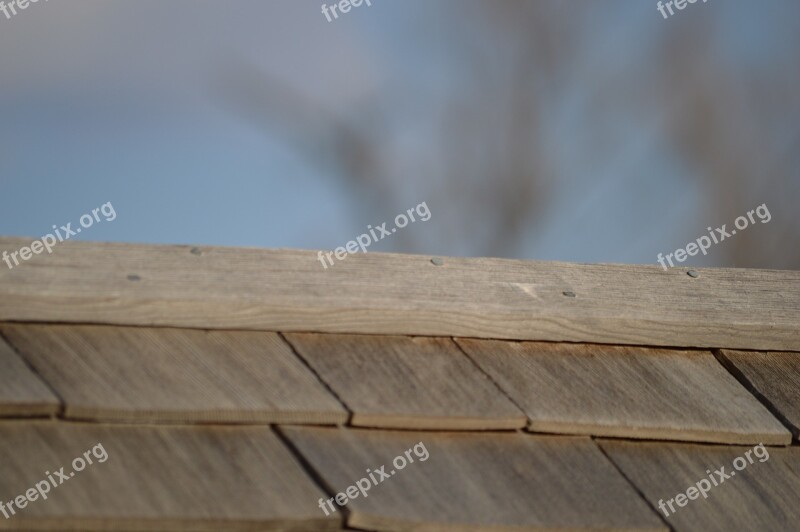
x=120 y=101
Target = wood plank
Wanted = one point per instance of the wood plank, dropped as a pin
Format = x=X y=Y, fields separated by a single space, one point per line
x=404 y=382
x=473 y=481
x=761 y=497
x=624 y=391
x=175 y=375
x=288 y=290
x=773 y=377
x=22 y=392
x=157 y=478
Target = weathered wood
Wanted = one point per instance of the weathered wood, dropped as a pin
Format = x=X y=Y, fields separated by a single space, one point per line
x=285 y=290
x=157 y=478
x=773 y=377
x=409 y=383
x=761 y=497
x=625 y=391
x=175 y=375
x=22 y=393
x=474 y=481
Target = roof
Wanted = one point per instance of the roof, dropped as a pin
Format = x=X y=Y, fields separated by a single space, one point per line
x=205 y=388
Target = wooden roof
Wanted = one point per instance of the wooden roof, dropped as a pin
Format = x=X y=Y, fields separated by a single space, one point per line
x=241 y=389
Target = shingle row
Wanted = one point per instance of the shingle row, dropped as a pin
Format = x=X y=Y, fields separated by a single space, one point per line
x=203 y=477
x=138 y=374
x=444 y=471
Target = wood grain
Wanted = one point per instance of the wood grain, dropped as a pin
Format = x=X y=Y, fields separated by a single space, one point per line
x=158 y=478
x=374 y=293
x=175 y=375
x=624 y=391
x=773 y=377
x=404 y=382
x=761 y=497
x=22 y=393
x=474 y=481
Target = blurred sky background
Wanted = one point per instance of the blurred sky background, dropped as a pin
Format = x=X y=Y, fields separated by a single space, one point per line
x=578 y=130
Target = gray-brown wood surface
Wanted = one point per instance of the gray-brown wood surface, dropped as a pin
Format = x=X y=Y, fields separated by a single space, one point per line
x=175 y=375
x=626 y=391
x=761 y=497
x=473 y=481
x=156 y=478
x=375 y=293
x=116 y=357
x=774 y=377
x=22 y=393
x=404 y=382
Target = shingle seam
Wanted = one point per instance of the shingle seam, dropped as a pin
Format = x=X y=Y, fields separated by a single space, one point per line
x=330 y=390
x=748 y=385
x=311 y=471
x=61 y=403
x=632 y=484
x=493 y=381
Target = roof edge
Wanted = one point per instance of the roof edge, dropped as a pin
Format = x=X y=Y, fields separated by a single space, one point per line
x=381 y=293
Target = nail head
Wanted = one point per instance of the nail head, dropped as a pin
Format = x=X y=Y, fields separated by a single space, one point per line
x=569 y=294
x=134 y=278
x=693 y=274
x=437 y=261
